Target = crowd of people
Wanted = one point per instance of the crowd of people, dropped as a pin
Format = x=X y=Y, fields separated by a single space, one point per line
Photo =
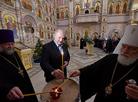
x=108 y=45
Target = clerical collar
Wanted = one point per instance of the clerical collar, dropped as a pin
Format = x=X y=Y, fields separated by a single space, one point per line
x=57 y=44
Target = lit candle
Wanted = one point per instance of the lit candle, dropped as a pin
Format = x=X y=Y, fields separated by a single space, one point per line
x=62 y=62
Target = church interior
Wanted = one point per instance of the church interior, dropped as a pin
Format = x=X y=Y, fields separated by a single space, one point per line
x=34 y=21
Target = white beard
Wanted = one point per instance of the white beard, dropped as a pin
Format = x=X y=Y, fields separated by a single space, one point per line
x=126 y=60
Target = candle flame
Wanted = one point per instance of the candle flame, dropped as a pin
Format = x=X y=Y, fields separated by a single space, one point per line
x=62 y=52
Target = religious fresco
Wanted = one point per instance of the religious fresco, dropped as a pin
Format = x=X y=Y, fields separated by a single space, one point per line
x=124 y=10
x=66 y=1
x=41 y=33
x=8 y=2
x=97 y=7
x=50 y=7
x=10 y=22
x=66 y=33
x=60 y=2
x=86 y=33
x=39 y=1
x=95 y=35
x=27 y=5
x=104 y=19
x=87 y=3
x=39 y=12
x=51 y=18
x=117 y=8
x=77 y=36
x=67 y=13
x=77 y=9
x=62 y=13
x=57 y=12
x=46 y=8
x=135 y=5
x=111 y=5
x=71 y=32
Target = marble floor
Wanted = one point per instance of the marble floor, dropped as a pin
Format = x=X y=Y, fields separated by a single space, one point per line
x=78 y=59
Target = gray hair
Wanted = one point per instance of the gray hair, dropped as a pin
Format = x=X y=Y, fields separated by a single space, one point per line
x=59 y=30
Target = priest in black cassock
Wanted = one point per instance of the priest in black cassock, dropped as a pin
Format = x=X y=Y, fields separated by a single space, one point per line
x=14 y=80
x=114 y=77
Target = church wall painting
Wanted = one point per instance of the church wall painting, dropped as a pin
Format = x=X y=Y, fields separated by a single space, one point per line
x=95 y=35
x=67 y=13
x=46 y=8
x=87 y=3
x=57 y=12
x=39 y=12
x=27 y=5
x=62 y=13
x=8 y=2
x=77 y=9
x=39 y=1
x=11 y=24
x=77 y=36
x=50 y=7
x=97 y=7
x=86 y=33
x=41 y=33
x=111 y=5
x=135 y=5
x=66 y=1
x=124 y=9
x=117 y=7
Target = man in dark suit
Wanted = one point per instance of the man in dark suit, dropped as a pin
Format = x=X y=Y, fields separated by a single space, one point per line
x=51 y=60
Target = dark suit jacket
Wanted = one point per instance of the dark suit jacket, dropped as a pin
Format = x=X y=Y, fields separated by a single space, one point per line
x=52 y=59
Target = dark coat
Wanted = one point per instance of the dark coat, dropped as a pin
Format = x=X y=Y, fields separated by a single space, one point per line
x=96 y=77
x=52 y=59
x=9 y=78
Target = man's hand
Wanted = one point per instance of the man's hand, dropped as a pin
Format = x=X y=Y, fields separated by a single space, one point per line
x=65 y=64
x=15 y=94
x=132 y=91
x=74 y=73
x=58 y=74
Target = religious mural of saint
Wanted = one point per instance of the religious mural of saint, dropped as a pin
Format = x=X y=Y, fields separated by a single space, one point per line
x=9 y=2
x=62 y=14
x=39 y=12
x=111 y=9
x=11 y=24
x=117 y=7
x=46 y=8
x=50 y=8
x=66 y=1
x=77 y=10
x=97 y=8
x=86 y=4
x=57 y=13
x=125 y=8
x=60 y=2
x=67 y=13
x=27 y=5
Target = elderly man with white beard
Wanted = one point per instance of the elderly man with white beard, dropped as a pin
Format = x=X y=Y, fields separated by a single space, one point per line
x=109 y=78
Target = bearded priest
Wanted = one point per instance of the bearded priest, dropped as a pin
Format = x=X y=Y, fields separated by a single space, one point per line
x=14 y=80
x=114 y=77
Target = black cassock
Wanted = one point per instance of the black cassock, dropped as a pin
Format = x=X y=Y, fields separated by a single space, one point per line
x=81 y=43
x=9 y=78
x=96 y=77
